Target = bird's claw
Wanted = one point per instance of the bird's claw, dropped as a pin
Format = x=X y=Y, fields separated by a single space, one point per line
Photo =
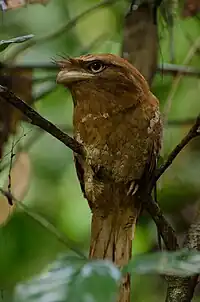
x=133 y=188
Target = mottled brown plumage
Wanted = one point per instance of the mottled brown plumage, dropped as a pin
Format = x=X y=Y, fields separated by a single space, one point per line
x=117 y=120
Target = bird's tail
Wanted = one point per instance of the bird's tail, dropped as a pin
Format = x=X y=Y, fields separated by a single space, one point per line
x=111 y=238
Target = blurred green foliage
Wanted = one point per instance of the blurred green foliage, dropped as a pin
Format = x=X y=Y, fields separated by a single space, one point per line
x=26 y=247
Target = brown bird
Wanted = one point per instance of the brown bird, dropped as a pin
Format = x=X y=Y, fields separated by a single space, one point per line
x=117 y=120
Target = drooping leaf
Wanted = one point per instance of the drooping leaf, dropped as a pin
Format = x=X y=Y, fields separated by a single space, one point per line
x=95 y=282
x=51 y=283
x=5 y=43
x=181 y=263
x=72 y=279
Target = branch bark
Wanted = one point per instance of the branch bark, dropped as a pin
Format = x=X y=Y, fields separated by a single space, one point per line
x=165 y=229
x=37 y=120
x=194 y=131
x=182 y=289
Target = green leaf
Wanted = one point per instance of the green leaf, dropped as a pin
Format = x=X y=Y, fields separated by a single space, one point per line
x=96 y=281
x=5 y=43
x=181 y=263
x=72 y=279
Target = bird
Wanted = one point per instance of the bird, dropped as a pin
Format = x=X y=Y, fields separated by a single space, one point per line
x=117 y=120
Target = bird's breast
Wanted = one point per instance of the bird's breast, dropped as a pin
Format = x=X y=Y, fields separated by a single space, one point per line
x=114 y=144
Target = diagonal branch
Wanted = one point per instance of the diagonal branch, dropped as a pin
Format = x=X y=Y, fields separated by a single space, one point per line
x=37 y=120
x=165 y=229
x=63 y=28
x=194 y=131
x=181 y=289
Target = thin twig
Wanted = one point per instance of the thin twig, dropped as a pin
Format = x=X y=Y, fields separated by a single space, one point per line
x=194 y=131
x=23 y=147
x=12 y=155
x=165 y=229
x=165 y=68
x=59 y=31
x=43 y=222
x=37 y=120
x=30 y=142
x=181 y=122
x=174 y=69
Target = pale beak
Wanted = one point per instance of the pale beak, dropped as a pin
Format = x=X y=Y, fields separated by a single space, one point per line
x=67 y=77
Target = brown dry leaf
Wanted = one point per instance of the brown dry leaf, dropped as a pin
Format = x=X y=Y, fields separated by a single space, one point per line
x=5 y=209
x=13 y=4
x=18 y=80
x=140 y=42
x=20 y=179
x=22 y=87
x=191 y=8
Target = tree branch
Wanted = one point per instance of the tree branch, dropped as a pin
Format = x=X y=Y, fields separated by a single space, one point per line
x=37 y=120
x=174 y=69
x=63 y=28
x=180 y=289
x=165 y=68
x=181 y=122
x=165 y=229
x=194 y=131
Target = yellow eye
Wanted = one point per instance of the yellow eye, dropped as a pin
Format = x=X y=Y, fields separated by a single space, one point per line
x=96 y=66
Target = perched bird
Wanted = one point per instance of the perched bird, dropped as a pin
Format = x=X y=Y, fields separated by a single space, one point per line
x=117 y=120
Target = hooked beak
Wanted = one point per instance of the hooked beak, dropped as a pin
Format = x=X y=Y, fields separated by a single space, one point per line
x=70 y=76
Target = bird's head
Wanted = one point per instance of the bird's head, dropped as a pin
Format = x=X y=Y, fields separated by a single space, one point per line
x=102 y=76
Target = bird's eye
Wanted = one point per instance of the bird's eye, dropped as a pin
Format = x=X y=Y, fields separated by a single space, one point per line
x=96 y=66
